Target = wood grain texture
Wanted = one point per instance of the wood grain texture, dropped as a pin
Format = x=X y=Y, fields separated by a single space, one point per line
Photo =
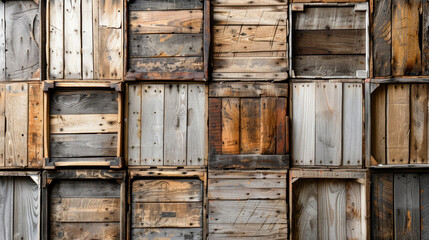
x=170 y=65
x=83 y=145
x=328 y=65
x=56 y=38
x=2 y=42
x=398 y=124
x=110 y=53
x=35 y=125
x=6 y=210
x=382 y=39
x=85 y=188
x=382 y=206
x=110 y=13
x=87 y=40
x=268 y=125
x=72 y=40
x=328 y=123
x=425 y=37
x=303 y=123
x=196 y=126
x=167 y=190
x=424 y=208
x=248 y=89
x=167 y=233
x=304 y=209
x=215 y=125
x=250 y=125
x=282 y=140
x=352 y=124
x=84 y=123
x=250 y=65
x=261 y=15
x=378 y=124
x=2 y=124
x=151 y=5
x=354 y=210
x=230 y=126
x=81 y=231
x=27 y=209
x=134 y=124
x=84 y=209
x=418 y=123
x=316 y=18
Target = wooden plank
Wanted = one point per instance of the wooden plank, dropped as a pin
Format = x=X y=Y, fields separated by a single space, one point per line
x=328 y=123
x=325 y=1
x=196 y=126
x=262 y=15
x=87 y=40
x=248 y=89
x=35 y=125
x=83 y=145
x=331 y=211
x=170 y=65
x=26 y=210
x=406 y=53
x=110 y=13
x=175 y=121
x=259 y=76
x=246 y=3
x=72 y=40
x=167 y=215
x=242 y=189
x=268 y=125
x=84 y=209
x=56 y=39
x=352 y=124
x=303 y=123
x=382 y=38
x=309 y=42
x=21 y=30
x=406 y=205
x=2 y=140
x=317 y=18
x=6 y=210
x=134 y=124
x=96 y=38
x=378 y=124
x=424 y=208
x=106 y=231
x=167 y=233
x=163 y=22
x=85 y=188
x=167 y=190
x=83 y=102
x=398 y=123
x=328 y=65
x=152 y=125
x=425 y=37
x=2 y=43
x=17 y=124
x=151 y=5
x=165 y=45
x=215 y=125
x=247 y=174
x=250 y=125
x=354 y=210
x=230 y=126
x=85 y=123
x=304 y=209
x=282 y=140
x=382 y=206
x=250 y=64
x=249 y=161
x=110 y=53
x=418 y=123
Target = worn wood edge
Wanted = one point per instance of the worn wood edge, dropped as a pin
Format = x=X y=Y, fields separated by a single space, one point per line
x=326 y=173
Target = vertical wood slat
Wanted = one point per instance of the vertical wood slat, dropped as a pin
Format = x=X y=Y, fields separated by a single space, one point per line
x=175 y=120
x=6 y=211
x=398 y=120
x=250 y=125
x=26 y=209
x=152 y=124
x=382 y=206
x=382 y=39
x=328 y=123
x=72 y=39
x=230 y=125
x=56 y=39
x=87 y=41
x=35 y=125
x=134 y=124
x=268 y=125
x=425 y=37
x=304 y=123
x=196 y=130
x=424 y=205
x=378 y=124
x=305 y=205
x=110 y=53
x=352 y=124
x=95 y=38
x=2 y=125
x=2 y=42
x=110 y=13
x=282 y=138
x=215 y=125
x=418 y=123
x=353 y=210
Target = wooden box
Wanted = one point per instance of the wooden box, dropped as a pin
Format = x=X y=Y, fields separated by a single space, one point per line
x=249 y=40
x=247 y=205
x=167 y=204
x=20 y=201
x=21 y=39
x=400 y=38
x=329 y=40
x=248 y=125
x=327 y=124
x=85 y=39
x=21 y=125
x=398 y=205
x=168 y=40
x=326 y=204
x=85 y=126
x=84 y=204
x=167 y=125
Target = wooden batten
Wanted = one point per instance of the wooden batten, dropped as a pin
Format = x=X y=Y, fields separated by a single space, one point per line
x=329 y=204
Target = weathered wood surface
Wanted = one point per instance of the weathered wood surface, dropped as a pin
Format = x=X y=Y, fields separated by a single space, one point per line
x=196 y=125
x=328 y=65
x=63 y=231
x=110 y=13
x=134 y=124
x=378 y=125
x=6 y=213
x=352 y=124
x=56 y=38
x=85 y=189
x=314 y=18
x=110 y=53
x=83 y=145
x=72 y=39
x=84 y=102
x=247 y=89
x=418 y=123
x=230 y=126
x=35 y=125
x=331 y=199
x=164 y=5
x=178 y=190
x=84 y=123
x=382 y=37
x=304 y=223
x=167 y=233
x=354 y=210
x=250 y=114
x=2 y=42
x=382 y=213
x=261 y=15
x=87 y=40
x=215 y=125
x=424 y=208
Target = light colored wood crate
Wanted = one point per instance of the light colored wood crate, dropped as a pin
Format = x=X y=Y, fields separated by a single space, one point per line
x=167 y=204
x=248 y=205
x=327 y=124
x=84 y=204
x=20 y=205
x=329 y=204
x=85 y=124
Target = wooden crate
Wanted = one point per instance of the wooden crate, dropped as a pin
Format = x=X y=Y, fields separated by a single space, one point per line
x=326 y=204
x=20 y=201
x=85 y=124
x=400 y=38
x=21 y=36
x=167 y=125
x=167 y=204
x=398 y=205
x=168 y=40
x=84 y=204
x=248 y=125
x=327 y=124
x=329 y=40
x=85 y=39
x=247 y=205
x=21 y=125
x=249 y=41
